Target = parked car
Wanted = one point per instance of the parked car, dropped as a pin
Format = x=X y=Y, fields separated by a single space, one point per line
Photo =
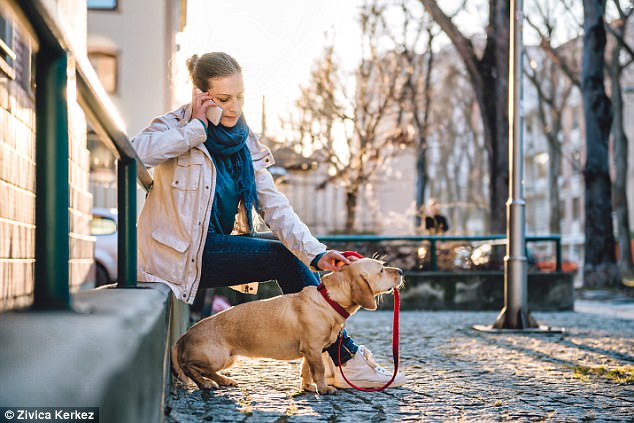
x=103 y=226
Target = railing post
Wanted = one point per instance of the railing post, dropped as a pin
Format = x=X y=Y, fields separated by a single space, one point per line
x=126 y=196
x=558 y=259
x=51 y=289
x=434 y=259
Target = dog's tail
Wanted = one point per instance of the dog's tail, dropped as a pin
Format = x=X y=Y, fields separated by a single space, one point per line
x=176 y=364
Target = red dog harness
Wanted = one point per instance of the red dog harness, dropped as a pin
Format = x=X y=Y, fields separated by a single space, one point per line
x=395 y=329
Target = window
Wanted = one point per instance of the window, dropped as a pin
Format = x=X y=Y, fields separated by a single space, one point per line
x=576 y=208
x=541 y=161
x=102 y=4
x=7 y=55
x=105 y=65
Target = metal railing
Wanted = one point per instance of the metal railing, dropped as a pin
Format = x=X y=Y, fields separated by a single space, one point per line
x=435 y=239
x=56 y=50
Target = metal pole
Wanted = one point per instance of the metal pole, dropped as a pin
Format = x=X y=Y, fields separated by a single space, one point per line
x=515 y=313
x=51 y=289
x=126 y=198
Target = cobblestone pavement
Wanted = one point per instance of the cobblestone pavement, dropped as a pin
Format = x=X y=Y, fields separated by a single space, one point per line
x=455 y=373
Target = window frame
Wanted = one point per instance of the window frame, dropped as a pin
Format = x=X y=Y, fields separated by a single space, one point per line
x=6 y=49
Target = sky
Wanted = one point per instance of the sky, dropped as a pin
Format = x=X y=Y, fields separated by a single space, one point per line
x=275 y=42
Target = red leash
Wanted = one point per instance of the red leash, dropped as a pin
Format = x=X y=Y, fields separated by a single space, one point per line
x=395 y=325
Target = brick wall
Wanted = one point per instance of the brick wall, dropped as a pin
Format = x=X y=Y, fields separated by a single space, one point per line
x=17 y=172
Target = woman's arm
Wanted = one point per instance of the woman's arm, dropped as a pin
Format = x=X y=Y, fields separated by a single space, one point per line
x=283 y=221
x=165 y=139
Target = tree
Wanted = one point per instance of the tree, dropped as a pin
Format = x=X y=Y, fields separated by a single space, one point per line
x=413 y=110
x=616 y=28
x=457 y=151
x=554 y=77
x=600 y=267
x=489 y=78
x=552 y=97
x=326 y=110
x=616 y=66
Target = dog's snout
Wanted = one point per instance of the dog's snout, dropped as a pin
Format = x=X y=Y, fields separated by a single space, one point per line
x=396 y=269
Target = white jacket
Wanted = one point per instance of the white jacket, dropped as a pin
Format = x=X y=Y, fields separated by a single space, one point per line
x=173 y=224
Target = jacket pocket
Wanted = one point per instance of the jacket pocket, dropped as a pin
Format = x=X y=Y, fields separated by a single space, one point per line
x=186 y=177
x=169 y=256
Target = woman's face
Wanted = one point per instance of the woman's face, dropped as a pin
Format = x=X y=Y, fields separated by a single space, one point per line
x=228 y=93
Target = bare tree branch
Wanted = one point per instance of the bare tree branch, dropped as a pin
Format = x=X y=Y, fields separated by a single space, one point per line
x=554 y=54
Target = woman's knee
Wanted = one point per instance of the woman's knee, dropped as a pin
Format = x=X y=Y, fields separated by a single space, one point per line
x=295 y=275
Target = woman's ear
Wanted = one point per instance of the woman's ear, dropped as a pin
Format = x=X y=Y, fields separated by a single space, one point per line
x=362 y=293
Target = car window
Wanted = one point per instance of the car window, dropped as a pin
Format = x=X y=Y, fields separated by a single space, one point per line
x=100 y=225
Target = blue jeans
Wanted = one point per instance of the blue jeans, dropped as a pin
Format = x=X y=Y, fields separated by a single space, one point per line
x=233 y=260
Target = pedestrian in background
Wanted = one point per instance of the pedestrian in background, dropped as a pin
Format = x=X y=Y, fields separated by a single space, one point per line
x=435 y=223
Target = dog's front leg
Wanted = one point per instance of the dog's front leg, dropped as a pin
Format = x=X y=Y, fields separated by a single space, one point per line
x=307 y=377
x=317 y=370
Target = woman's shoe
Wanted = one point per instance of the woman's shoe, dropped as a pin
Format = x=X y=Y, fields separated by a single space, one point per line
x=362 y=371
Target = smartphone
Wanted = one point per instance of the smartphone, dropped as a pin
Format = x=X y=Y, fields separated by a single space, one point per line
x=214 y=114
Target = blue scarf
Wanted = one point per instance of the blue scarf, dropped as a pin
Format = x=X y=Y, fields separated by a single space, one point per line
x=232 y=142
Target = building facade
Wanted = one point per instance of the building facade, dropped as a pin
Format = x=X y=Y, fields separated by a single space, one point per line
x=132 y=46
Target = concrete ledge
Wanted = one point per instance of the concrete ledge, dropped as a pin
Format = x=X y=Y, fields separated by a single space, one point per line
x=113 y=354
x=481 y=291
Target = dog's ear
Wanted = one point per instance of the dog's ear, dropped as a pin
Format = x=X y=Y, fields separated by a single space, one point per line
x=361 y=292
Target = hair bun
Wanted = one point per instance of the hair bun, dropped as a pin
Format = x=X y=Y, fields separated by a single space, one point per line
x=191 y=65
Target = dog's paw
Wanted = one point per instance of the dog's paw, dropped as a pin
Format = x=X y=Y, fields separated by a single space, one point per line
x=309 y=388
x=227 y=381
x=327 y=390
x=190 y=386
x=208 y=384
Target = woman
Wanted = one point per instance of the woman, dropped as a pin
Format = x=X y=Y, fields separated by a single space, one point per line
x=208 y=178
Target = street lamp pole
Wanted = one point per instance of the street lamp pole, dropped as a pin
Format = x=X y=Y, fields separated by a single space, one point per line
x=515 y=314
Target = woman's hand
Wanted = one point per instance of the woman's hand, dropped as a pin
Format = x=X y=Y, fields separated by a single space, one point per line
x=200 y=101
x=333 y=260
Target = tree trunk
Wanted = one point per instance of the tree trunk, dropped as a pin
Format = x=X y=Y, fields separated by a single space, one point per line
x=421 y=182
x=600 y=269
x=620 y=159
x=554 y=224
x=500 y=144
x=352 y=196
x=421 y=147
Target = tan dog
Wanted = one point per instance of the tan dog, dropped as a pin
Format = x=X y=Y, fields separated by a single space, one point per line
x=285 y=327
